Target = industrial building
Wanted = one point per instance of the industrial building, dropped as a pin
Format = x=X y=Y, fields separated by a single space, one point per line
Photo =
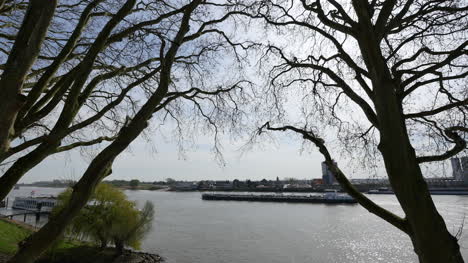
x=459 y=176
x=327 y=176
x=460 y=169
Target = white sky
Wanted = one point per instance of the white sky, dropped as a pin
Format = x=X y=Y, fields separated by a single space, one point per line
x=142 y=163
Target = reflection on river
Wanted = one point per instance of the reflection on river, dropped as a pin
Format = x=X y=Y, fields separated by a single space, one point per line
x=187 y=229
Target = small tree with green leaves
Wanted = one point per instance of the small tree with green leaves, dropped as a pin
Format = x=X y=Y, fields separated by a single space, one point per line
x=132 y=226
x=110 y=218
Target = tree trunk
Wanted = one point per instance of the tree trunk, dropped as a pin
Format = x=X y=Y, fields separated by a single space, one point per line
x=100 y=167
x=22 y=56
x=119 y=247
x=23 y=165
x=432 y=241
x=70 y=108
x=38 y=242
x=103 y=244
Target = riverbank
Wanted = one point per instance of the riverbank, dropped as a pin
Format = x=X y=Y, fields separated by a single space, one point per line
x=66 y=251
x=13 y=232
x=87 y=254
x=10 y=235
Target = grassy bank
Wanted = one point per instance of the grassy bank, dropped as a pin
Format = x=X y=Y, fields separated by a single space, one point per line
x=66 y=251
x=11 y=233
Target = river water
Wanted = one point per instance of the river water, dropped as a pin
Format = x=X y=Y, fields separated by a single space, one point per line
x=187 y=229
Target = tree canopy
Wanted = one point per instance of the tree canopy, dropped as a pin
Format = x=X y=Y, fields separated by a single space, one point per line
x=134 y=183
x=164 y=51
x=389 y=77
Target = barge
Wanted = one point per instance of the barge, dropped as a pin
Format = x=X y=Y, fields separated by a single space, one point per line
x=327 y=198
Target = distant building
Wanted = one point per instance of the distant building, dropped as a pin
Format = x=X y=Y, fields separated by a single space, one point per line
x=278 y=183
x=185 y=186
x=317 y=181
x=464 y=164
x=222 y=185
x=370 y=181
x=457 y=172
x=460 y=169
x=327 y=176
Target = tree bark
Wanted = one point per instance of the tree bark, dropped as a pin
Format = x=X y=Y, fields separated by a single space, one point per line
x=23 y=54
x=45 y=78
x=70 y=108
x=100 y=167
x=432 y=242
x=103 y=244
x=38 y=242
x=431 y=239
x=119 y=246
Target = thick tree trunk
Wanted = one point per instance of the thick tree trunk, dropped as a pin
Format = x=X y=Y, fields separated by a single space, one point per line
x=431 y=239
x=103 y=244
x=100 y=167
x=22 y=56
x=119 y=246
x=70 y=109
x=37 y=243
x=432 y=242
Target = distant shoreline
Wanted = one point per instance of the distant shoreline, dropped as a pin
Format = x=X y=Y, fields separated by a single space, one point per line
x=142 y=187
x=166 y=188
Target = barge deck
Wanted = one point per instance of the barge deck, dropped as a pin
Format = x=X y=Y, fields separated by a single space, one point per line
x=314 y=199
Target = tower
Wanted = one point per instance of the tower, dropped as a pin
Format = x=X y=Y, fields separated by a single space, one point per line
x=464 y=169
x=327 y=175
x=464 y=163
x=456 y=169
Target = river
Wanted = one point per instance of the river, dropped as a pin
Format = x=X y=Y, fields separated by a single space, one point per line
x=187 y=229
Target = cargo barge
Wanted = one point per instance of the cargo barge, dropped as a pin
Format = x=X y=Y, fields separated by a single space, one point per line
x=327 y=198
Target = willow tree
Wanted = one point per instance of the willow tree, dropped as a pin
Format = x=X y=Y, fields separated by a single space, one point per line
x=110 y=218
x=109 y=67
x=402 y=65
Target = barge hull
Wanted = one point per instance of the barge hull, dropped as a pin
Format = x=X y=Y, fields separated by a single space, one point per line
x=287 y=199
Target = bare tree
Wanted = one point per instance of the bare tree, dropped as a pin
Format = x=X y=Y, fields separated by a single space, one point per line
x=94 y=69
x=21 y=57
x=120 y=65
x=402 y=64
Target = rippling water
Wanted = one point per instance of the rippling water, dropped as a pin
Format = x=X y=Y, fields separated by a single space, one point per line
x=188 y=229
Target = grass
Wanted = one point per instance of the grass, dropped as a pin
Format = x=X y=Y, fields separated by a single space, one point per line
x=65 y=251
x=11 y=234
